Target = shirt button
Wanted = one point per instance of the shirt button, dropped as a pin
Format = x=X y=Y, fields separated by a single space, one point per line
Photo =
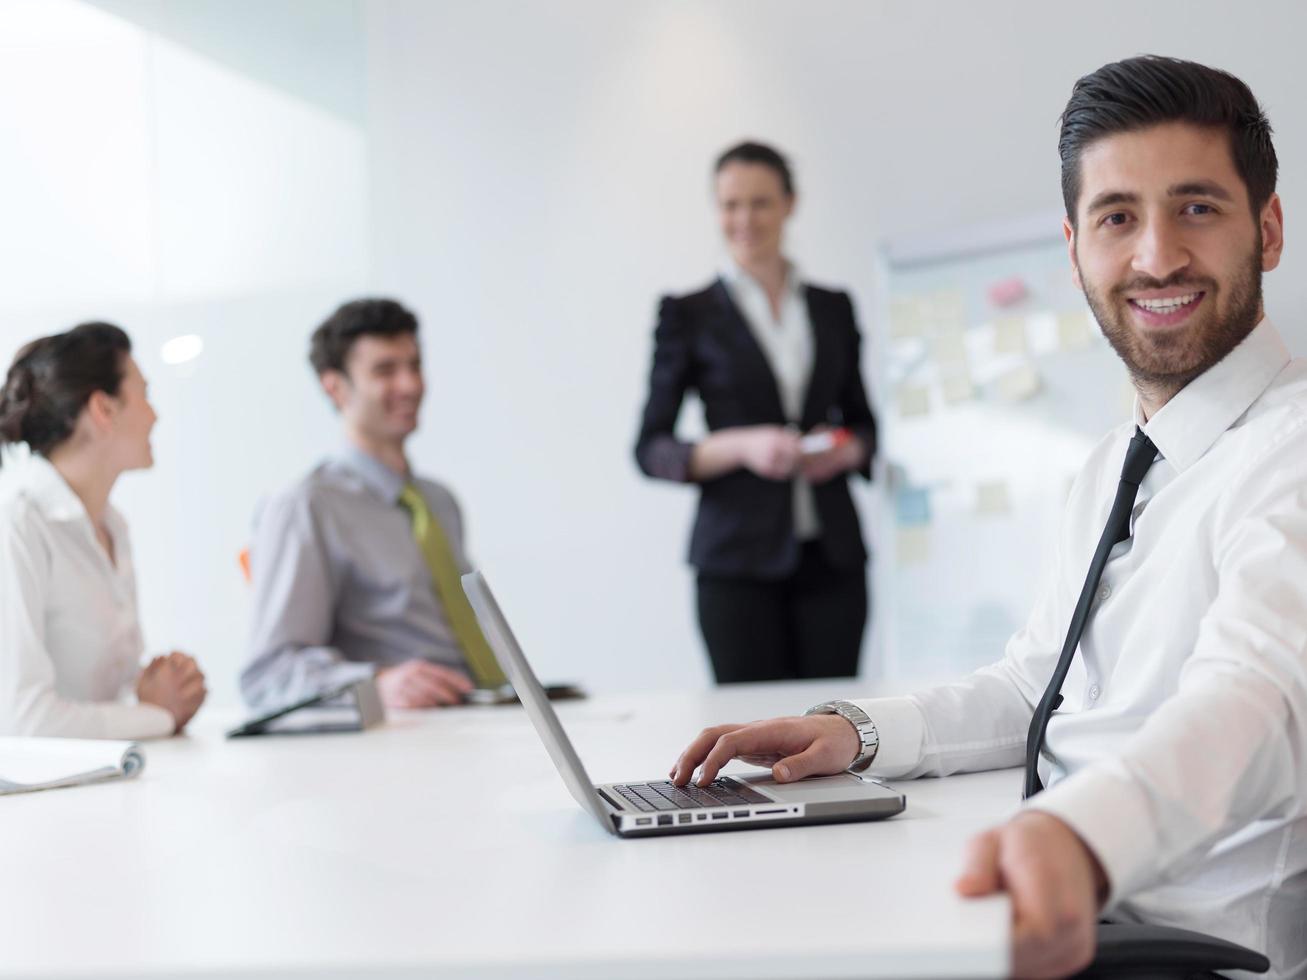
x=1093 y=692
x=1104 y=591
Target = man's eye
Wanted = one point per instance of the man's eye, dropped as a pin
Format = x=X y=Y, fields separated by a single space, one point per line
x=1115 y=219
x=1200 y=209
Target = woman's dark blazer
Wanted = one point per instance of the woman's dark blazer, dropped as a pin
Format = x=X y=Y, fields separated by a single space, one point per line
x=745 y=524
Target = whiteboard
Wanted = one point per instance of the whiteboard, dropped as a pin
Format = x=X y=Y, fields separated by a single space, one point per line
x=995 y=383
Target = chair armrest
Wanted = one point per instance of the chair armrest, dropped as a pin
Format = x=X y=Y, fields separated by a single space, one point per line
x=1126 y=949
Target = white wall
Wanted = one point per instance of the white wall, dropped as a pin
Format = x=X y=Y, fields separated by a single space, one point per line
x=540 y=174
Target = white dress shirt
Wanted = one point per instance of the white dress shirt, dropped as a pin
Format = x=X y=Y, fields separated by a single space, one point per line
x=787 y=344
x=70 y=640
x=1180 y=752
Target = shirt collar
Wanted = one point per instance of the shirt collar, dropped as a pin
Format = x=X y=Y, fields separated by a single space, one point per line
x=50 y=491
x=379 y=478
x=1191 y=422
x=735 y=277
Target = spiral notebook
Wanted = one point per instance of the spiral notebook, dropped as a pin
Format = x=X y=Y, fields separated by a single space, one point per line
x=28 y=764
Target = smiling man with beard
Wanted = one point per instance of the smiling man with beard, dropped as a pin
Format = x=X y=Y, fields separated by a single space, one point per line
x=355 y=568
x=1159 y=687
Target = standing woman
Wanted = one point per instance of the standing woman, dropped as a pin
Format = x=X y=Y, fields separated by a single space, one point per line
x=782 y=588
x=70 y=641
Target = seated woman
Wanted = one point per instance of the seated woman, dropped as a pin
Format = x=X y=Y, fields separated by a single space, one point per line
x=70 y=640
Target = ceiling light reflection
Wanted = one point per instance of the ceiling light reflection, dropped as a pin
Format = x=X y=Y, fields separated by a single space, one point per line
x=183 y=349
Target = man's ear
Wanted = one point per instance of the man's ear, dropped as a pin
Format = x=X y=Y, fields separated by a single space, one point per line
x=336 y=385
x=1070 y=234
x=1272 y=224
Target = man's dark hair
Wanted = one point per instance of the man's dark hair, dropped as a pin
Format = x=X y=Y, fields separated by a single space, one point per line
x=52 y=379
x=759 y=153
x=331 y=342
x=1140 y=92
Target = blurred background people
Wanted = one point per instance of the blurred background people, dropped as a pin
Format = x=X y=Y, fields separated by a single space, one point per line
x=356 y=566
x=782 y=589
x=70 y=639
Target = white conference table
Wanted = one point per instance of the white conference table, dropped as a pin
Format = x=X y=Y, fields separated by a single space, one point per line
x=445 y=845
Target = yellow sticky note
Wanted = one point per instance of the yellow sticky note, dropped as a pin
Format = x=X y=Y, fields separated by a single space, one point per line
x=905 y=319
x=1073 y=331
x=913 y=545
x=948 y=310
x=913 y=400
x=992 y=498
x=957 y=387
x=950 y=346
x=1020 y=383
x=1010 y=335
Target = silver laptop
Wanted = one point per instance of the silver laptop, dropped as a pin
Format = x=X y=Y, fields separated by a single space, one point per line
x=657 y=807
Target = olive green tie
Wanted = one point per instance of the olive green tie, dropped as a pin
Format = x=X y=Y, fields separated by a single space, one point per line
x=444 y=575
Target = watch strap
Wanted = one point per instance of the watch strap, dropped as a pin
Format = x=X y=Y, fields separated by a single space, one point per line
x=868 y=735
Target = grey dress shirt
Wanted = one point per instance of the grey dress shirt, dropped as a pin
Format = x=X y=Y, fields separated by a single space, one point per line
x=340 y=585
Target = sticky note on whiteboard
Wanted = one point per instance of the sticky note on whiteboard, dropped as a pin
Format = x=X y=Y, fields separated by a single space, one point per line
x=1019 y=384
x=992 y=498
x=1010 y=335
x=957 y=388
x=913 y=545
x=912 y=506
x=1073 y=331
x=905 y=319
x=947 y=310
x=950 y=347
x=913 y=400
x=1007 y=292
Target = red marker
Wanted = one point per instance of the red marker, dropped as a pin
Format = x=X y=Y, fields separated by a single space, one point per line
x=825 y=441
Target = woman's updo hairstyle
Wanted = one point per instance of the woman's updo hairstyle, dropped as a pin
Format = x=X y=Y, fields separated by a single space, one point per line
x=750 y=152
x=53 y=378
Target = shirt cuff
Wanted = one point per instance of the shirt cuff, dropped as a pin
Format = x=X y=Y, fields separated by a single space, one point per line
x=153 y=721
x=1112 y=817
x=901 y=727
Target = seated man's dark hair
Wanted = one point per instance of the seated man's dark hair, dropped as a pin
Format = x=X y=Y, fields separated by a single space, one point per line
x=1151 y=89
x=331 y=342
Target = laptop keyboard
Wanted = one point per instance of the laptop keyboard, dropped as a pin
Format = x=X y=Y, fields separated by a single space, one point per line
x=664 y=795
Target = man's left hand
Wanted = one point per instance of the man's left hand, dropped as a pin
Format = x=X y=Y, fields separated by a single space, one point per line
x=1056 y=886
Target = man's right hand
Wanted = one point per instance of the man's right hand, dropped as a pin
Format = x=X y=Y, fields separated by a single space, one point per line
x=814 y=745
x=421 y=684
x=174 y=683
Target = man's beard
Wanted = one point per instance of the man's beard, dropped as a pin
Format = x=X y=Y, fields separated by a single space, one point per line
x=1165 y=362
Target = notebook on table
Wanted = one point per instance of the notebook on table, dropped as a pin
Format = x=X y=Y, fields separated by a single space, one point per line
x=28 y=764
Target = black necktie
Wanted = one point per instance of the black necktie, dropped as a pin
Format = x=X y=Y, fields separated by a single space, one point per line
x=1138 y=457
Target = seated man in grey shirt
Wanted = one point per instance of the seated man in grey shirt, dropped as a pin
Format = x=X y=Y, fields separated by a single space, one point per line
x=355 y=567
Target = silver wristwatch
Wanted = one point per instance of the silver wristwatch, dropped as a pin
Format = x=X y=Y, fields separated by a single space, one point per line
x=862 y=724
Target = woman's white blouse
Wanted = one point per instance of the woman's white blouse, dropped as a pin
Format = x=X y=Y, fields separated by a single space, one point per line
x=70 y=639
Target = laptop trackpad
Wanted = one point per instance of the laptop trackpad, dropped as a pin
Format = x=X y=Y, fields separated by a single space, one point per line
x=821 y=789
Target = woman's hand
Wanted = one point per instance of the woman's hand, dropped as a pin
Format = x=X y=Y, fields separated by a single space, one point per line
x=769 y=451
x=174 y=683
x=818 y=468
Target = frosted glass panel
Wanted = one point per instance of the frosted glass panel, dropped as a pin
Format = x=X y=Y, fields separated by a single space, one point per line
x=156 y=187
x=74 y=155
